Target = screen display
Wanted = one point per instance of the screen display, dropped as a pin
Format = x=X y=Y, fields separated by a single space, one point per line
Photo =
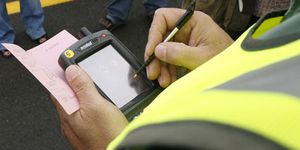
x=113 y=75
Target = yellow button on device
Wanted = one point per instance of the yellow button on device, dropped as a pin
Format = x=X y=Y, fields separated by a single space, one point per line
x=69 y=53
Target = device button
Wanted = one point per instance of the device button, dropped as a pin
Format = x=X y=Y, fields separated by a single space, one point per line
x=69 y=53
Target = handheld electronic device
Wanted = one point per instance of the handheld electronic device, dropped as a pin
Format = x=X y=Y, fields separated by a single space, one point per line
x=112 y=66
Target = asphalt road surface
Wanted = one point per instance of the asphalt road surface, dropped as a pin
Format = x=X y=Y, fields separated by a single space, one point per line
x=28 y=119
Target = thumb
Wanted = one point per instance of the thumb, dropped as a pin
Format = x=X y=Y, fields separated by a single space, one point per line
x=82 y=85
x=180 y=54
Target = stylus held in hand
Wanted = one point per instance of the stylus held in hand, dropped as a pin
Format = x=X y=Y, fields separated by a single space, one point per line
x=179 y=24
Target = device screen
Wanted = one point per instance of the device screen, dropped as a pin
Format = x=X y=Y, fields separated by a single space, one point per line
x=113 y=75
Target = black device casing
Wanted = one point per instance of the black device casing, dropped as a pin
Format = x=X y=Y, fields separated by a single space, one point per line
x=91 y=44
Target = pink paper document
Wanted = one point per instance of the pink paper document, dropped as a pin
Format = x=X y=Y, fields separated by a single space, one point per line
x=42 y=62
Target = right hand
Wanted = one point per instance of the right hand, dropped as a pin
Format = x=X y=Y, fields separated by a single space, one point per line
x=199 y=40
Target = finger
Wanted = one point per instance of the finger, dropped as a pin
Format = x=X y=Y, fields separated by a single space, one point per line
x=173 y=73
x=63 y=116
x=153 y=70
x=62 y=131
x=82 y=86
x=69 y=134
x=164 y=78
x=180 y=54
x=55 y=103
x=162 y=23
x=61 y=112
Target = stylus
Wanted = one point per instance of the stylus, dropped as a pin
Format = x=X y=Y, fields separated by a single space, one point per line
x=179 y=24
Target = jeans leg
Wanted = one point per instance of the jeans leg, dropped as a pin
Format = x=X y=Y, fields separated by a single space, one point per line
x=33 y=18
x=152 y=5
x=7 y=34
x=118 y=11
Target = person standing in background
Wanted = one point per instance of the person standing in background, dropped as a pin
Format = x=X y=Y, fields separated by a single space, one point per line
x=118 y=10
x=32 y=18
x=236 y=16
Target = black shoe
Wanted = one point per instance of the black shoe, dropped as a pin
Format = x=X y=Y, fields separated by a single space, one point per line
x=105 y=23
x=6 y=53
x=41 y=39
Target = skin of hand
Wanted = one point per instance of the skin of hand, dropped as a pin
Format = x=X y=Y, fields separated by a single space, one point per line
x=97 y=122
x=195 y=43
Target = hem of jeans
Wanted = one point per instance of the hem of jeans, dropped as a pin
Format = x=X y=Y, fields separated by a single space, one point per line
x=43 y=33
x=114 y=21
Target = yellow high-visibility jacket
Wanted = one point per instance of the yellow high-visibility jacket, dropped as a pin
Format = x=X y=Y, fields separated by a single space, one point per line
x=247 y=97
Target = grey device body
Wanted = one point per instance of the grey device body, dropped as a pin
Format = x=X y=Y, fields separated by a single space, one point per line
x=111 y=66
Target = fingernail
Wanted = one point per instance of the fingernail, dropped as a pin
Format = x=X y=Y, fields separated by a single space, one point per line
x=162 y=82
x=72 y=72
x=146 y=49
x=160 y=51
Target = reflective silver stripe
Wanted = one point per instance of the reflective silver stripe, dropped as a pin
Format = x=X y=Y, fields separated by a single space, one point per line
x=281 y=77
x=241 y=5
x=195 y=135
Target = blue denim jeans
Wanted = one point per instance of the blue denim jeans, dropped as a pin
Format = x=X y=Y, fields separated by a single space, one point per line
x=32 y=18
x=118 y=10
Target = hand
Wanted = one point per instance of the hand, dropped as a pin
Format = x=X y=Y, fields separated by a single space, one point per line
x=199 y=40
x=97 y=122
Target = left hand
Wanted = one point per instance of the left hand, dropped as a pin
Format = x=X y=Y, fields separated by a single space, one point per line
x=97 y=122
